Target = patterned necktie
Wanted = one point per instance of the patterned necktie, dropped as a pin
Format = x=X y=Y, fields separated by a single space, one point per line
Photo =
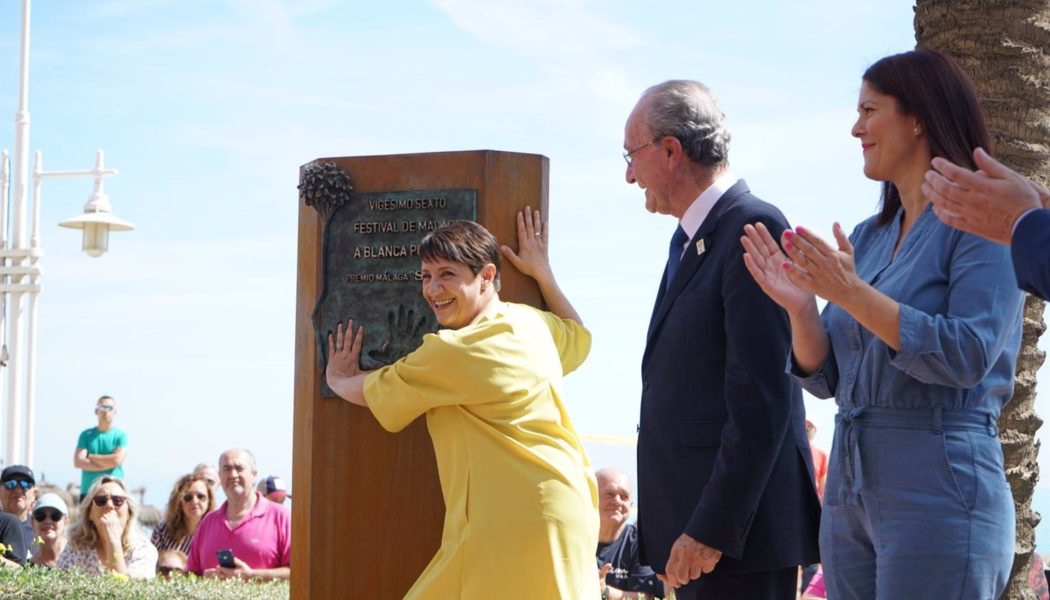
x=674 y=253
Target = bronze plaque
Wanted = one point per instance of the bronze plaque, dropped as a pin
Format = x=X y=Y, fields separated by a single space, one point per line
x=372 y=269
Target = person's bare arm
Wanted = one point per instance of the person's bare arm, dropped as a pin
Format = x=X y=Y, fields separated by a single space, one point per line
x=532 y=259
x=829 y=272
x=81 y=461
x=108 y=461
x=343 y=372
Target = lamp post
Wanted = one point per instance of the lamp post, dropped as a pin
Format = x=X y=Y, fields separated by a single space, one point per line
x=19 y=261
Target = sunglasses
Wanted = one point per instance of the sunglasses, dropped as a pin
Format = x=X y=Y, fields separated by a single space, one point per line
x=43 y=515
x=102 y=500
x=191 y=495
x=104 y=407
x=17 y=483
x=165 y=570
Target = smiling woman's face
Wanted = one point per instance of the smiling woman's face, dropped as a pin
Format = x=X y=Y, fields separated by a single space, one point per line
x=891 y=141
x=49 y=529
x=454 y=292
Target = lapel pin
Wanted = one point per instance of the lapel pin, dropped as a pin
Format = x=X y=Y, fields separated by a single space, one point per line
x=700 y=249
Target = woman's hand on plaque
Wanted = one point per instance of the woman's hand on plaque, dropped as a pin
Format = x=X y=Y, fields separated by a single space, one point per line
x=344 y=352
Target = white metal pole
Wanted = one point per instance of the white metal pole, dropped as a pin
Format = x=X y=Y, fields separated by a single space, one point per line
x=27 y=455
x=18 y=227
x=38 y=176
x=14 y=379
x=33 y=292
x=5 y=179
x=21 y=151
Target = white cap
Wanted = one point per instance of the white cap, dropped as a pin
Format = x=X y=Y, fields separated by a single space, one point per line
x=52 y=500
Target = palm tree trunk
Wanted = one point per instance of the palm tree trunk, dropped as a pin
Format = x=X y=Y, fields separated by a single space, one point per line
x=1004 y=45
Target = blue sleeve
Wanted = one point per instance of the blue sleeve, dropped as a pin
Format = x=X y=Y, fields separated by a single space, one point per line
x=82 y=441
x=122 y=439
x=958 y=346
x=1031 y=253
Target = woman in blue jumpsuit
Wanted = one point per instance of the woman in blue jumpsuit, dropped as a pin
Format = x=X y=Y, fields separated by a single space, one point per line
x=917 y=344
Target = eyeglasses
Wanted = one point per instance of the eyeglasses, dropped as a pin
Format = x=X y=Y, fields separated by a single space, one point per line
x=166 y=570
x=42 y=515
x=102 y=500
x=17 y=483
x=105 y=407
x=191 y=495
x=627 y=155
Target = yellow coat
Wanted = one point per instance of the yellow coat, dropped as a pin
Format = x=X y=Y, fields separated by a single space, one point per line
x=521 y=517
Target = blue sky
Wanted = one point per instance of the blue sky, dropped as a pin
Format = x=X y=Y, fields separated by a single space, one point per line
x=209 y=107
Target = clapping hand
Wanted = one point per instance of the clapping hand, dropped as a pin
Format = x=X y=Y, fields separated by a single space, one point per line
x=765 y=261
x=986 y=202
x=817 y=267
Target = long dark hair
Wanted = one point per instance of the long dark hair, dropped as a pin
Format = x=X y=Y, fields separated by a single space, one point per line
x=931 y=87
x=174 y=519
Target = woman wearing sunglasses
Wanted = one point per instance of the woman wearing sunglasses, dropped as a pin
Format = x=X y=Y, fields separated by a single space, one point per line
x=50 y=518
x=106 y=537
x=190 y=500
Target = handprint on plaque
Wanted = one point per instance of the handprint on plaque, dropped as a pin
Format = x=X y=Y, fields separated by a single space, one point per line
x=402 y=335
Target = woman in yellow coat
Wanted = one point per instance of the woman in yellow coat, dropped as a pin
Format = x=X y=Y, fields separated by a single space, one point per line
x=521 y=515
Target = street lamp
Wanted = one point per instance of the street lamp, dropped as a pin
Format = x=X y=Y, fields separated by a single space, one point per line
x=19 y=262
x=97 y=220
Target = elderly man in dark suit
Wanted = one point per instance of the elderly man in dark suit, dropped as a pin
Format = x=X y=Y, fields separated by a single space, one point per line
x=999 y=204
x=727 y=505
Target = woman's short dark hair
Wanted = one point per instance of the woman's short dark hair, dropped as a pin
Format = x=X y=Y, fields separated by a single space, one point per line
x=933 y=88
x=463 y=242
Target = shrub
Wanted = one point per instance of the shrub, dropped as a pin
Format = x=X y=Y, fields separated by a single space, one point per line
x=48 y=584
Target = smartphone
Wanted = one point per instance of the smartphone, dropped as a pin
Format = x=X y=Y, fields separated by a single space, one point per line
x=225 y=558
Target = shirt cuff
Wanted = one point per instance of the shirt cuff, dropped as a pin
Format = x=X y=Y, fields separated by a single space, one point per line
x=1013 y=229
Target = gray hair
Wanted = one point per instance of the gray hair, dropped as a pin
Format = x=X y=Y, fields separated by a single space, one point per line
x=687 y=111
x=244 y=451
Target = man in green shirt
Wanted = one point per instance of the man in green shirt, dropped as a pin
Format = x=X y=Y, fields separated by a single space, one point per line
x=101 y=450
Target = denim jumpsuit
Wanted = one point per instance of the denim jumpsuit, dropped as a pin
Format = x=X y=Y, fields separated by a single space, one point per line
x=916 y=503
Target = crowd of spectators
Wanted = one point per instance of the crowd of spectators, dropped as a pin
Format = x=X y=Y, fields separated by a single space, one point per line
x=104 y=535
x=247 y=537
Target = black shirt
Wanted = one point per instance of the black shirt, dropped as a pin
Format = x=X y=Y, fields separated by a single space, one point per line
x=627 y=574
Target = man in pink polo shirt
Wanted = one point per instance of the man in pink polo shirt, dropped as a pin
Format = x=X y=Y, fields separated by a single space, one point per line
x=257 y=532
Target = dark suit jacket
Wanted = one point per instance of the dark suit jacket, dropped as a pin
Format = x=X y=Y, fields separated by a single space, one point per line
x=1031 y=253
x=722 y=448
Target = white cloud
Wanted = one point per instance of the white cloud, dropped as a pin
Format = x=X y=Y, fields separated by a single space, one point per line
x=553 y=31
